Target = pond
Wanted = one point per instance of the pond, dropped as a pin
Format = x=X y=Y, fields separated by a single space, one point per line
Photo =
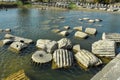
x=37 y=24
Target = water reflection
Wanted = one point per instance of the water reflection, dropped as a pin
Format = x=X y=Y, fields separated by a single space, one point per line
x=35 y=24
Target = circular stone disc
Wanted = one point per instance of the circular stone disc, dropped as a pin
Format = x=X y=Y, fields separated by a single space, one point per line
x=41 y=57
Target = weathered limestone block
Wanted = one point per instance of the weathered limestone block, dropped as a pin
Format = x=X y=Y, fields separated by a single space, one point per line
x=18 y=46
x=87 y=59
x=110 y=72
x=41 y=57
x=65 y=43
x=7 y=30
x=51 y=46
x=8 y=36
x=24 y=40
x=104 y=48
x=111 y=36
x=64 y=33
x=91 y=21
x=85 y=18
x=62 y=58
x=81 y=34
x=47 y=45
x=79 y=28
x=80 y=19
x=91 y=31
x=76 y=48
x=98 y=20
x=56 y=30
x=7 y=41
x=20 y=75
x=60 y=17
x=18 y=39
x=67 y=27
x=41 y=43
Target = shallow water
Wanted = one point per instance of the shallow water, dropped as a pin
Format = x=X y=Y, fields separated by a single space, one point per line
x=36 y=24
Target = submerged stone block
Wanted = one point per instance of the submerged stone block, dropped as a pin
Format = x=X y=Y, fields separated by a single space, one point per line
x=76 y=48
x=65 y=43
x=87 y=59
x=47 y=45
x=62 y=58
x=86 y=18
x=18 y=46
x=7 y=41
x=18 y=39
x=91 y=31
x=81 y=35
x=8 y=36
x=91 y=21
x=111 y=36
x=20 y=75
x=98 y=20
x=64 y=33
x=8 y=30
x=41 y=43
x=67 y=27
x=104 y=48
x=79 y=28
x=41 y=57
x=56 y=30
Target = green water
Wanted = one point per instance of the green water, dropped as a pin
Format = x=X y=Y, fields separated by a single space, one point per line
x=36 y=24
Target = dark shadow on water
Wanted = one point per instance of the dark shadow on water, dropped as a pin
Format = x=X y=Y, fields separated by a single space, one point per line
x=117 y=48
x=30 y=49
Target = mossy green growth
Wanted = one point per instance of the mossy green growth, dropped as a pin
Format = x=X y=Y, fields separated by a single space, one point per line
x=23 y=5
x=72 y=6
x=19 y=3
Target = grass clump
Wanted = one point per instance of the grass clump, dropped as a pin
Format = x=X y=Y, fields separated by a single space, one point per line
x=72 y=6
x=19 y=3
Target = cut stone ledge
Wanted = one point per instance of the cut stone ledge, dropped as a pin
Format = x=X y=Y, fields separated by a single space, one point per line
x=110 y=72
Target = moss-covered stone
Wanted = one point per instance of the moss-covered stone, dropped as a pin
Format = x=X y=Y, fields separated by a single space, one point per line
x=20 y=75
